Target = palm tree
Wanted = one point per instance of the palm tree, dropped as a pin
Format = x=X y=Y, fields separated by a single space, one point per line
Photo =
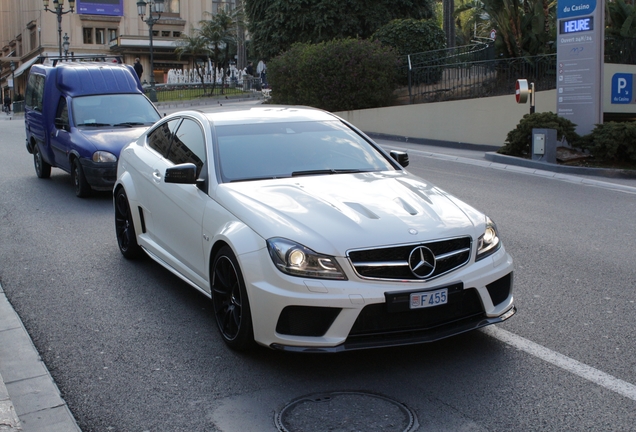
x=194 y=45
x=220 y=33
x=524 y=27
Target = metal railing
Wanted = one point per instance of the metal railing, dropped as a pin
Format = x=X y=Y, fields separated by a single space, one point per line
x=177 y=92
x=453 y=78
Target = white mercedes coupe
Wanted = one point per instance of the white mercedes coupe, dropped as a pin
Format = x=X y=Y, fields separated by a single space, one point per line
x=305 y=234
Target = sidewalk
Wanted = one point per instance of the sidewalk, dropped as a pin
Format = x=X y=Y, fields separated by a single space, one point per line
x=29 y=398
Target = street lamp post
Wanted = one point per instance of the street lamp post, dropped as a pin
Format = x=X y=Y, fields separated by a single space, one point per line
x=66 y=45
x=58 y=5
x=156 y=6
x=12 y=65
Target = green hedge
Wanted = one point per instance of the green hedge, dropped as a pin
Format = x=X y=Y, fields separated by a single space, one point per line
x=612 y=142
x=609 y=142
x=518 y=140
x=339 y=75
x=410 y=36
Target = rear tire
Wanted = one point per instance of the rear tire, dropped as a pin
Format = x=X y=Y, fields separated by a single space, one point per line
x=230 y=304
x=125 y=228
x=42 y=169
x=82 y=188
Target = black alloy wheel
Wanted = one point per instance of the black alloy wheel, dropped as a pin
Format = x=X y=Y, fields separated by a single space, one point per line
x=42 y=169
x=124 y=227
x=230 y=303
x=82 y=188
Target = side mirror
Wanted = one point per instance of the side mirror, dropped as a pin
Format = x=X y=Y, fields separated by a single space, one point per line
x=400 y=157
x=185 y=173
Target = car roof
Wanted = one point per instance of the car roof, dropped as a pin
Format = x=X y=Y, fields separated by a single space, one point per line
x=94 y=78
x=269 y=114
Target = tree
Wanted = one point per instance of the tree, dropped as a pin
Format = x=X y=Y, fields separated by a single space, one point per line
x=524 y=27
x=215 y=38
x=195 y=46
x=277 y=24
x=620 y=32
x=221 y=34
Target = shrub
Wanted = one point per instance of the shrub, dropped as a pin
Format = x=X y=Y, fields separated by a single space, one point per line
x=339 y=75
x=410 y=36
x=612 y=142
x=518 y=140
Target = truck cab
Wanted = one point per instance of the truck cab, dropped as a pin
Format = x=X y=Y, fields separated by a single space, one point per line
x=79 y=114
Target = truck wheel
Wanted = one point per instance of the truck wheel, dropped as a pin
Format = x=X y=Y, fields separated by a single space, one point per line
x=42 y=169
x=82 y=188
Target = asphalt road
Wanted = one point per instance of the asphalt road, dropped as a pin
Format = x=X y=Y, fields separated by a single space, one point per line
x=133 y=348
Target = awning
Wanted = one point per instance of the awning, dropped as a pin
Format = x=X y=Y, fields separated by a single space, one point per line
x=24 y=66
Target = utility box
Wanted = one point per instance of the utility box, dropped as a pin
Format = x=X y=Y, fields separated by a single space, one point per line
x=544 y=145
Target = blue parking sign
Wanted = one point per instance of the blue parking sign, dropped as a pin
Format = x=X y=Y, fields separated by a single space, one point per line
x=622 y=84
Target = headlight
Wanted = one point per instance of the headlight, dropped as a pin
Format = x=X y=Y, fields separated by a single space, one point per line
x=104 y=156
x=489 y=242
x=297 y=260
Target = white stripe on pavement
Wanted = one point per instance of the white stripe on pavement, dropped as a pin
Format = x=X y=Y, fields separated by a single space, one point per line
x=577 y=368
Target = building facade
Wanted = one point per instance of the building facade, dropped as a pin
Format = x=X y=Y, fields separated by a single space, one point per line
x=95 y=27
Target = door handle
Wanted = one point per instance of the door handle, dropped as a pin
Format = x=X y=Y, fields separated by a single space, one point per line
x=156 y=175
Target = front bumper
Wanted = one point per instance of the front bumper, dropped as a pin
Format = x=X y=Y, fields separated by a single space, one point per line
x=310 y=315
x=411 y=337
x=101 y=176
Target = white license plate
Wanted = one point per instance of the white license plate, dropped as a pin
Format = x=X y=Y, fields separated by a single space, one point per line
x=429 y=298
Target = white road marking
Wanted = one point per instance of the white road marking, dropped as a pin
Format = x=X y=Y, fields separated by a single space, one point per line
x=566 y=363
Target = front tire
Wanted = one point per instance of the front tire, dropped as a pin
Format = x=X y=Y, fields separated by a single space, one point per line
x=82 y=188
x=230 y=304
x=42 y=169
x=125 y=228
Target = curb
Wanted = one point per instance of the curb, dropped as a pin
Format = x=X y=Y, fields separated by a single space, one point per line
x=562 y=169
x=30 y=401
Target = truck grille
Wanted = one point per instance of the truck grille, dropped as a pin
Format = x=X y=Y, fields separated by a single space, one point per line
x=393 y=262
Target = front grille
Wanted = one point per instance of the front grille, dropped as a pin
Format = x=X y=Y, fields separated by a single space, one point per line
x=375 y=320
x=393 y=262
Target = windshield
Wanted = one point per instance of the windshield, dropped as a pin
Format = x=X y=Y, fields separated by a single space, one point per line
x=274 y=150
x=123 y=110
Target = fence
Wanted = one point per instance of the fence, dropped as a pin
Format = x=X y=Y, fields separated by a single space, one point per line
x=460 y=77
x=177 y=92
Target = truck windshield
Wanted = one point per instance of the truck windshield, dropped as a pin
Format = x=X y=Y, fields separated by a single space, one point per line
x=113 y=110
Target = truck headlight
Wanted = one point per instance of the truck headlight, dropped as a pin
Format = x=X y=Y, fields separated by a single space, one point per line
x=104 y=156
x=489 y=242
x=297 y=260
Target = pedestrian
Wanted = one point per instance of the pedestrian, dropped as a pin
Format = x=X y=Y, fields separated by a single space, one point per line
x=7 y=102
x=261 y=70
x=249 y=69
x=138 y=68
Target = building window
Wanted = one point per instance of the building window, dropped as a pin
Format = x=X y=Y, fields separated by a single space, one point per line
x=165 y=33
x=33 y=41
x=112 y=35
x=100 y=36
x=176 y=34
x=171 y=6
x=88 y=35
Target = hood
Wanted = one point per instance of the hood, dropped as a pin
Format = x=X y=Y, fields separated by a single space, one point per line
x=111 y=139
x=334 y=213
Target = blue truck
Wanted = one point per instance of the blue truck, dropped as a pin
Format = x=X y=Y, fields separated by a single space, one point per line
x=79 y=113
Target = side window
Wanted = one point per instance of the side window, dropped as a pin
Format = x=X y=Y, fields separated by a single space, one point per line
x=159 y=140
x=188 y=145
x=35 y=92
x=62 y=112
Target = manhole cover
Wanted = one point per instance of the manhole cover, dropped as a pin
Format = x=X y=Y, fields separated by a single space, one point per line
x=345 y=412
